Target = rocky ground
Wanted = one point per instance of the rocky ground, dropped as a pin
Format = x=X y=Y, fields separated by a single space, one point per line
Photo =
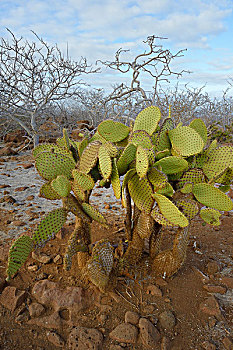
x=45 y=307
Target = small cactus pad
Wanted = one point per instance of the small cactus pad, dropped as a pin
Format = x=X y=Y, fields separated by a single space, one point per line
x=49 y=226
x=78 y=191
x=210 y=216
x=18 y=254
x=144 y=225
x=105 y=162
x=142 y=138
x=199 y=126
x=193 y=176
x=142 y=161
x=115 y=180
x=61 y=185
x=141 y=192
x=89 y=157
x=85 y=181
x=170 y=211
x=172 y=164
x=212 y=197
x=186 y=141
x=49 y=165
x=188 y=207
x=126 y=158
x=218 y=159
x=113 y=131
x=82 y=145
x=167 y=190
x=163 y=142
x=157 y=178
x=93 y=213
x=46 y=191
x=147 y=119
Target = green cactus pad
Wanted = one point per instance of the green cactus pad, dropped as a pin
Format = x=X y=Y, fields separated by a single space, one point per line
x=49 y=165
x=147 y=120
x=48 y=147
x=18 y=254
x=105 y=162
x=115 y=180
x=142 y=138
x=193 y=176
x=187 y=188
x=172 y=164
x=89 y=157
x=142 y=161
x=113 y=131
x=217 y=160
x=46 y=191
x=151 y=156
x=127 y=177
x=49 y=226
x=188 y=207
x=212 y=146
x=162 y=154
x=199 y=126
x=144 y=225
x=141 y=192
x=210 y=216
x=158 y=217
x=167 y=190
x=170 y=211
x=157 y=178
x=85 y=181
x=93 y=213
x=212 y=197
x=61 y=185
x=98 y=137
x=163 y=142
x=82 y=145
x=126 y=158
x=66 y=139
x=185 y=141
x=78 y=191
x=112 y=149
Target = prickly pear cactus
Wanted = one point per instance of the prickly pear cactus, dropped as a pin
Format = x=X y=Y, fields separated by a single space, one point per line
x=165 y=175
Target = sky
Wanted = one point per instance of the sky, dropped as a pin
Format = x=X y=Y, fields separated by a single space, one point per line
x=97 y=29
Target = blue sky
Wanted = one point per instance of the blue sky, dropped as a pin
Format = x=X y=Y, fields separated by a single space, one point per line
x=96 y=29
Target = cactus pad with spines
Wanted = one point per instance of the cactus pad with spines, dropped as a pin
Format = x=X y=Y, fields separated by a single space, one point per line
x=105 y=162
x=160 y=218
x=142 y=138
x=85 y=181
x=142 y=161
x=46 y=191
x=163 y=142
x=49 y=165
x=49 y=226
x=126 y=158
x=93 y=213
x=172 y=164
x=157 y=178
x=61 y=185
x=217 y=160
x=170 y=211
x=147 y=119
x=78 y=191
x=18 y=254
x=89 y=157
x=210 y=216
x=212 y=197
x=188 y=207
x=141 y=192
x=48 y=147
x=82 y=145
x=167 y=190
x=199 y=126
x=193 y=176
x=112 y=149
x=115 y=180
x=186 y=141
x=113 y=131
